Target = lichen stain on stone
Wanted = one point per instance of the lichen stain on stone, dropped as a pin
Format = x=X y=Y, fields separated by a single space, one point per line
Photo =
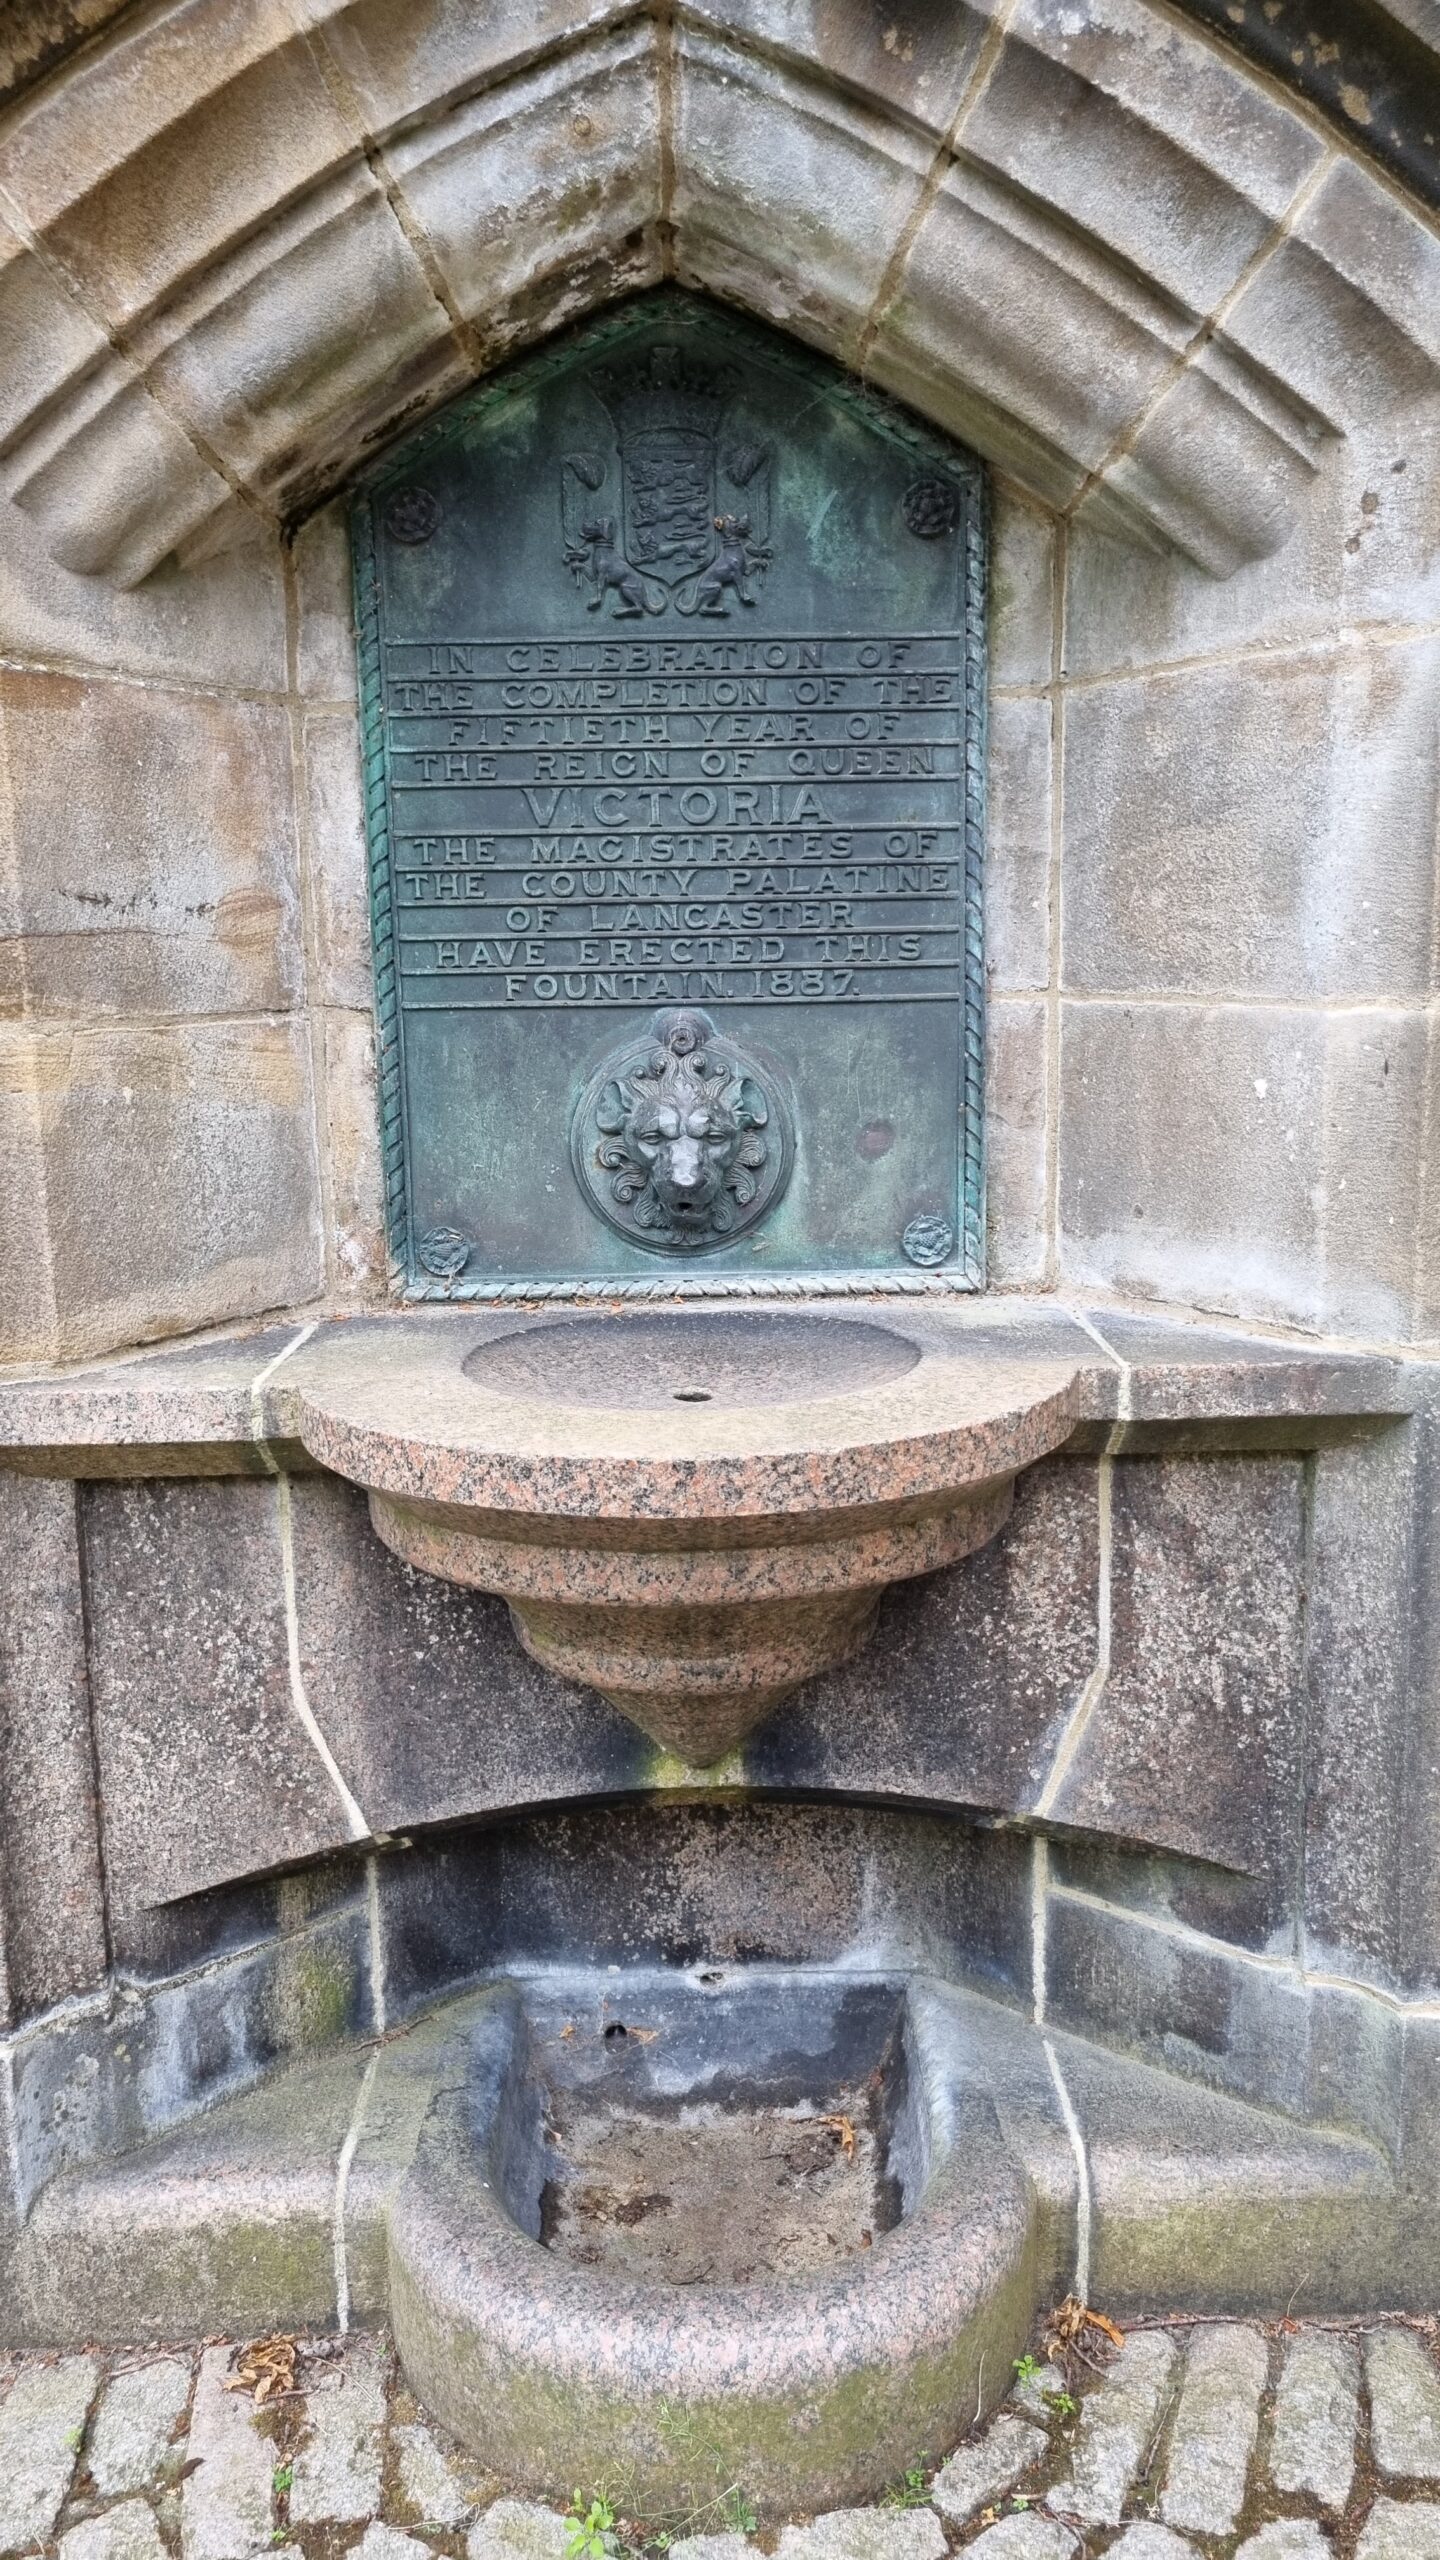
x=1355 y=103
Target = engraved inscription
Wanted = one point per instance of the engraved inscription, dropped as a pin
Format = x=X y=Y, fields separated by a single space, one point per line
x=698 y=821
x=680 y=1140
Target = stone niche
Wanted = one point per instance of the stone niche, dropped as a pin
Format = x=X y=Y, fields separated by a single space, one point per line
x=1120 y=1815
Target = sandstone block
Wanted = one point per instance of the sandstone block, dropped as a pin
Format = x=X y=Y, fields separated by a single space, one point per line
x=338 y=861
x=147 y=852
x=1232 y=826
x=180 y=1170
x=286 y=356
x=171 y=144
x=1018 y=852
x=789 y=194
x=1174 y=158
x=484 y=179
x=356 y=1244
x=1022 y=592
x=1016 y=1073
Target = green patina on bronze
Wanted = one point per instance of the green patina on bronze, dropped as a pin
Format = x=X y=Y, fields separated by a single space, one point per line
x=672 y=681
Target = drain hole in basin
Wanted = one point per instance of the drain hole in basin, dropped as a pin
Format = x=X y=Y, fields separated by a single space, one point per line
x=692 y=1395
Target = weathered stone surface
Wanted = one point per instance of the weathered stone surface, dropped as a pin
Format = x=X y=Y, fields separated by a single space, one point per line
x=1025 y=2538
x=428 y=2480
x=387 y=2542
x=517 y=2529
x=1175 y=160
x=1022 y=592
x=126 y=2532
x=228 y=358
x=356 y=1245
x=712 y=2546
x=1400 y=2530
x=1404 y=2405
x=186 y=1585
x=1216 y=2423
x=215 y=152
x=136 y=2419
x=373 y=1632
x=1019 y=851
x=42 y=2421
x=1151 y=2542
x=981 y=2472
x=1312 y=2445
x=865 y=2533
x=52 y=1927
x=1288 y=2538
x=337 y=861
x=179 y=1162
x=336 y=2471
x=1016 y=1085
x=148 y=864
x=771 y=168
x=1117 y=2425
x=1336 y=865
x=1015 y=1623
x=325 y=661
x=484 y=179
x=225 y=2501
x=1233 y=1191
x=1206 y=1608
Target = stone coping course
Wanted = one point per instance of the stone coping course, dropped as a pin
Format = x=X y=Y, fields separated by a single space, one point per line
x=235 y=1403
x=143 y=2453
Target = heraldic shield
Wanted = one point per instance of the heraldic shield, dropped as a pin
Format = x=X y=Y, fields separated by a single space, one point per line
x=673 y=505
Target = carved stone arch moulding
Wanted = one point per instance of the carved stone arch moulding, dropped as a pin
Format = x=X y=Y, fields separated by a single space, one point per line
x=672 y=677
x=236 y=254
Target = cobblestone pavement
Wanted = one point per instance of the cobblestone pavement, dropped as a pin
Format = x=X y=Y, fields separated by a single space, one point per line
x=1223 y=2439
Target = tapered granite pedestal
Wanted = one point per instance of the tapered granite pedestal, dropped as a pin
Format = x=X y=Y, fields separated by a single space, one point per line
x=692 y=1512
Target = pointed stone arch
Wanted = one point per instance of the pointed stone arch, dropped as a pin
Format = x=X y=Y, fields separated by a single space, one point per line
x=247 y=244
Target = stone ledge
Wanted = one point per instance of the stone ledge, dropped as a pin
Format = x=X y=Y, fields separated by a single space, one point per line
x=230 y=1406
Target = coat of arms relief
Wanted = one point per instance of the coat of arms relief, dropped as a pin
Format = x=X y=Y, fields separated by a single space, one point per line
x=678 y=511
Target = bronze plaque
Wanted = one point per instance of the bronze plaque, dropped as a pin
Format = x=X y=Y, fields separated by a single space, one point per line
x=672 y=670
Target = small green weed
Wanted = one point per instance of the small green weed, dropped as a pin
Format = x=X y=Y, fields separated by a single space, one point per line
x=737 y=2513
x=590 y=2529
x=282 y=2479
x=1028 y=2368
x=912 y=2489
x=1064 y=2403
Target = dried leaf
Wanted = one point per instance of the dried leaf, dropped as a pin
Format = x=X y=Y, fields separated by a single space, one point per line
x=845 y=2129
x=266 y=2367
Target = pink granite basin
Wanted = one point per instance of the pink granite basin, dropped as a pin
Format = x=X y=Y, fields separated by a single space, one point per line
x=691 y=1511
x=817 y=2321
